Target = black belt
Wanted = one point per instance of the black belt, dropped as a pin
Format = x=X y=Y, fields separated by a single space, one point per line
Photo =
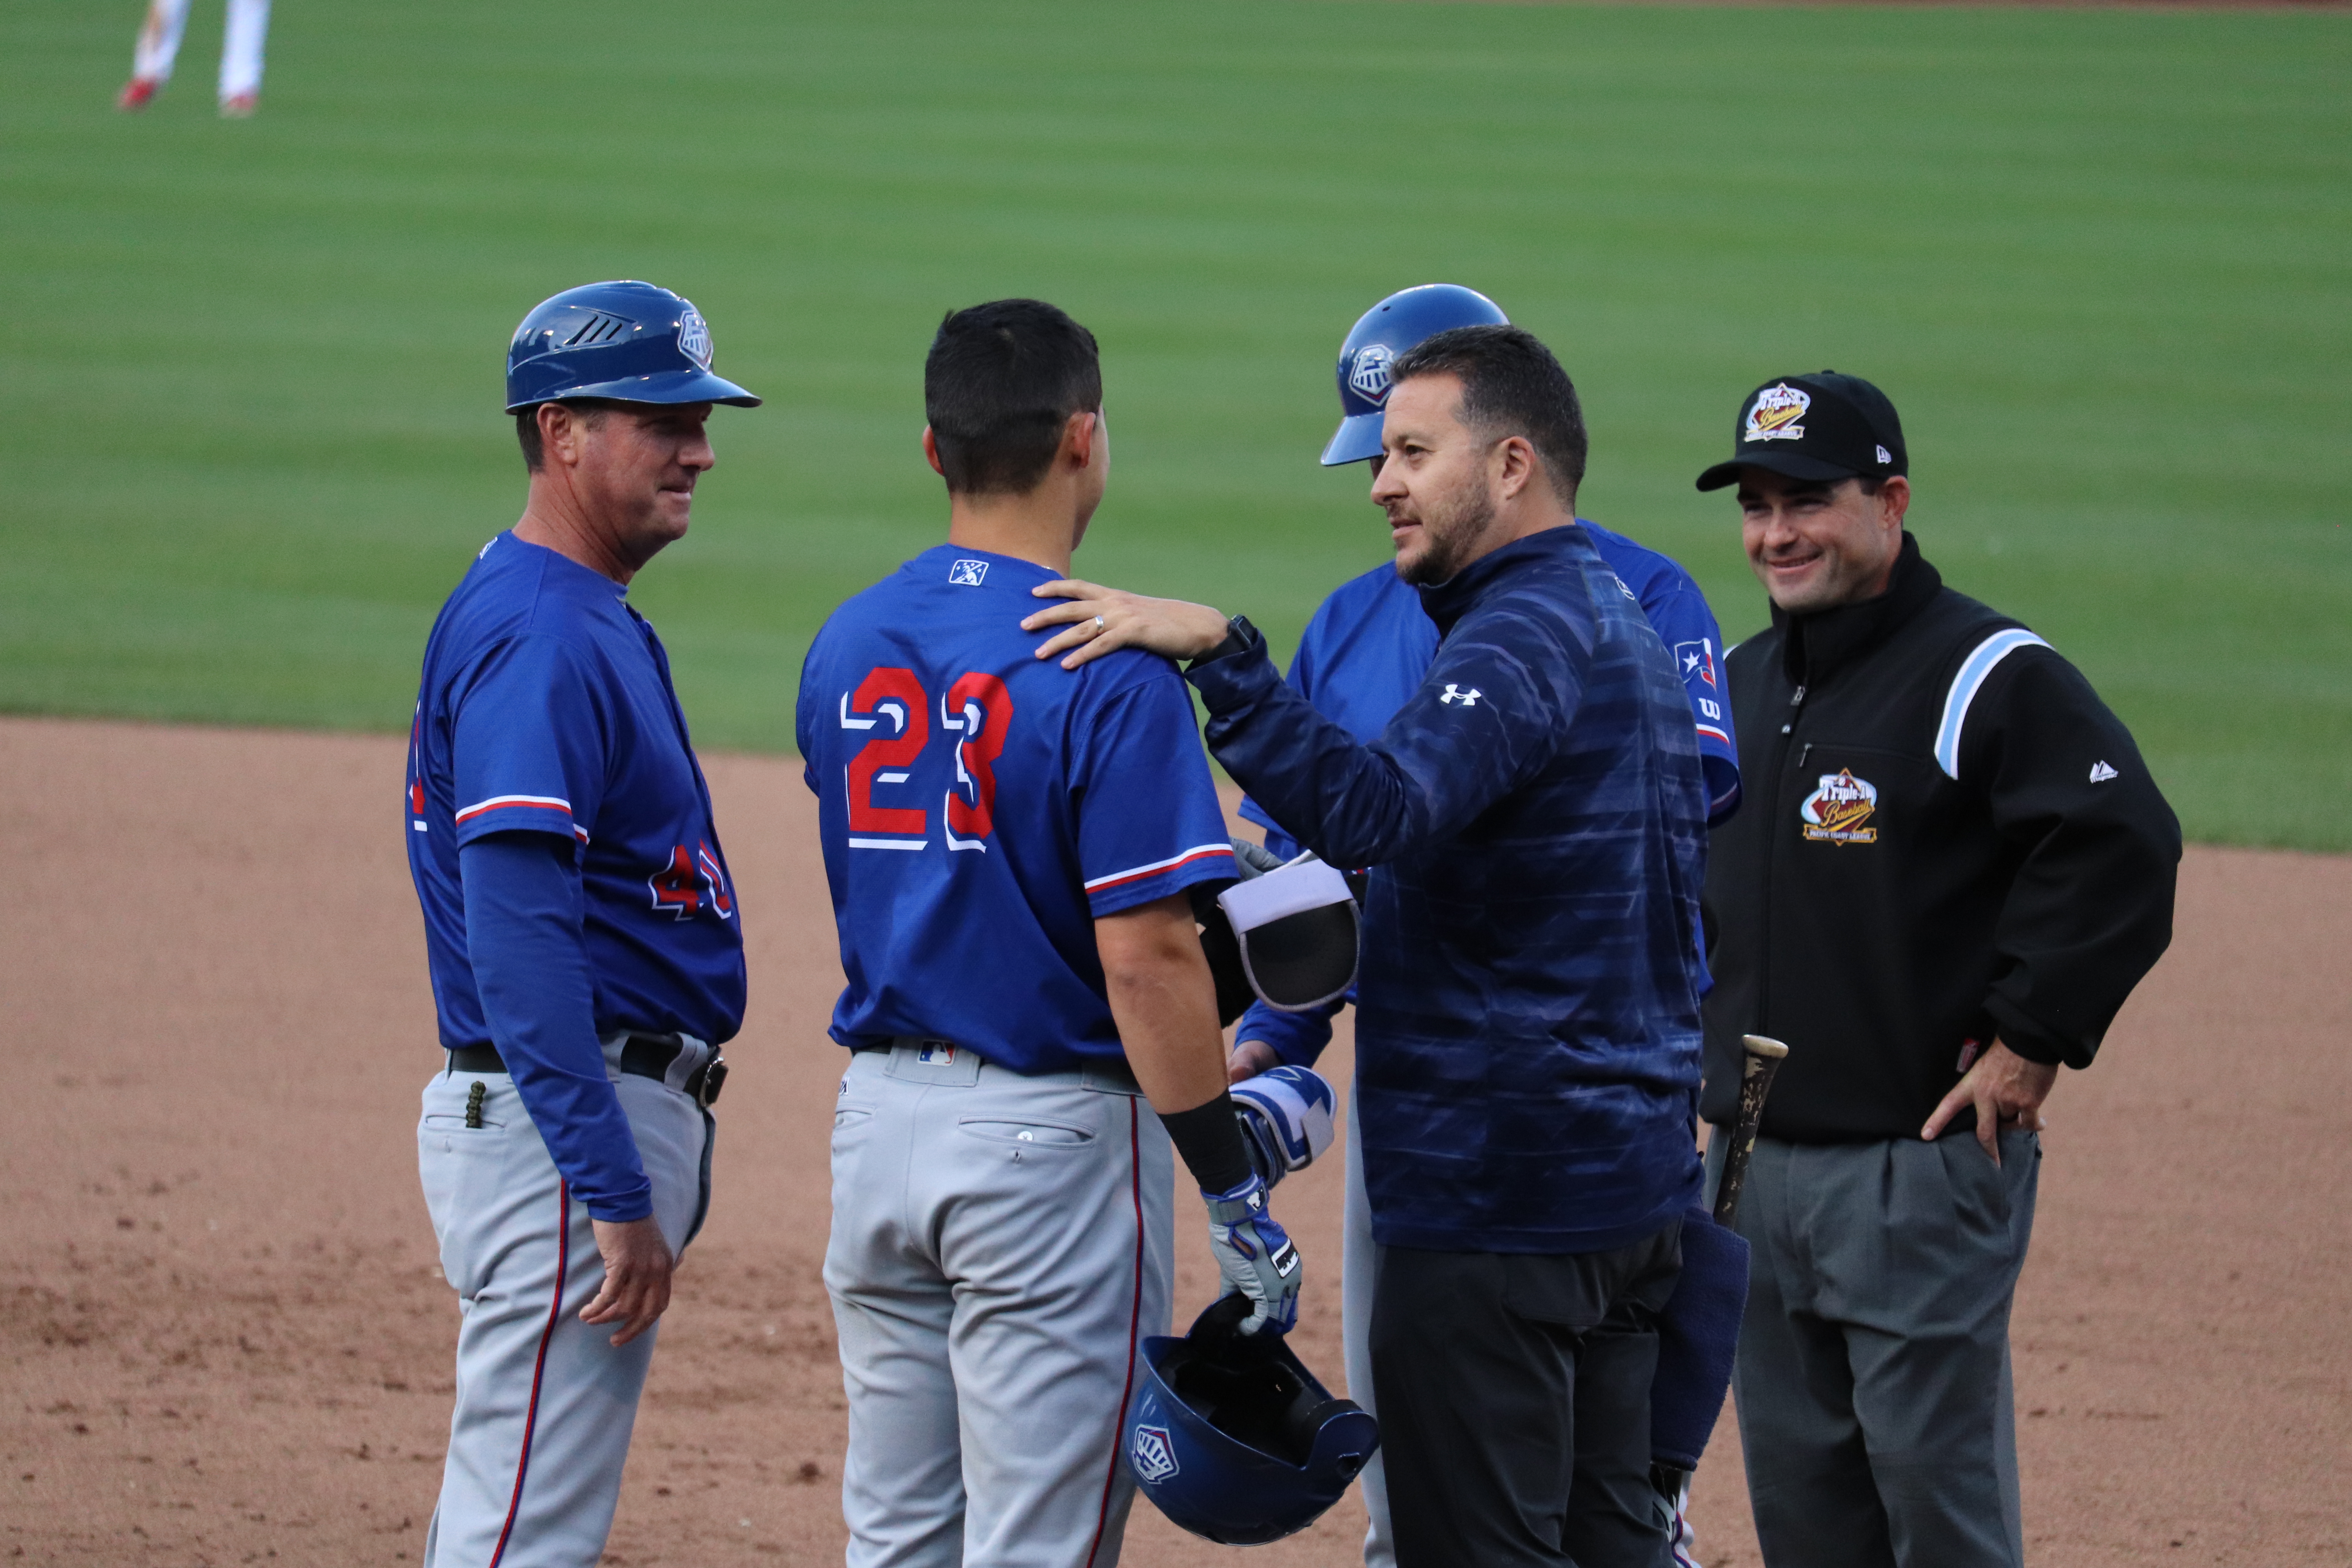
x=645 y=1056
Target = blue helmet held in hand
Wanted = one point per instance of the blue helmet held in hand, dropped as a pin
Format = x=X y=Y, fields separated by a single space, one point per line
x=630 y=342
x=1233 y=1439
x=1378 y=338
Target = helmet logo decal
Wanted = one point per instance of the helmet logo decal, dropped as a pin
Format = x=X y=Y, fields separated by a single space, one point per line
x=1152 y=1455
x=1368 y=377
x=694 y=338
x=1776 y=413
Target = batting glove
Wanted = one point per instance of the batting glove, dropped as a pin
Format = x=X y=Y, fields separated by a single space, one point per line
x=1255 y=1255
x=1286 y=1119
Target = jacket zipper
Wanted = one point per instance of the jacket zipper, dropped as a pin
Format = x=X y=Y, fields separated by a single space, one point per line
x=1771 y=847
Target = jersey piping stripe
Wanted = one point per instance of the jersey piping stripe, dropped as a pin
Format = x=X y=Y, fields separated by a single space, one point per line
x=1709 y=730
x=1974 y=669
x=528 y=802
x=1134 y=1325
x=1138 y=873
x=539 y=1367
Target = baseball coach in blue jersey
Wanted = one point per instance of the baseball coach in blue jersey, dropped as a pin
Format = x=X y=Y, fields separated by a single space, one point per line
x=1364 y=652
x=1952 y=869
x=1528 y=1033
x=1032 y=1018
x=586 y=955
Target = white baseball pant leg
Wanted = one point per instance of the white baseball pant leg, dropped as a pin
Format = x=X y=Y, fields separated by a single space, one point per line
x=545 y=1404
x=1001 y=1247
x=159 y=40
x=242 y=46
x=1359 y=1266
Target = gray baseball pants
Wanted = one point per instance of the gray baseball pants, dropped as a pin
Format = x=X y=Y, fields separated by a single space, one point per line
x=1002 y=1245
x=545 y=1404
x=1873 y=1380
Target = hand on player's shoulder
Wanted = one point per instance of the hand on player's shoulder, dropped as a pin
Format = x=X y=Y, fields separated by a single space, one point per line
x=1096 y=620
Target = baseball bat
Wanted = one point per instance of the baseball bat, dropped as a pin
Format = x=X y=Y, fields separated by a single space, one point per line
x=1760 y=1060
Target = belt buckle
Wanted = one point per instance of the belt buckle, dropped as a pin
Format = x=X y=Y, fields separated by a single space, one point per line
x=713 y=1078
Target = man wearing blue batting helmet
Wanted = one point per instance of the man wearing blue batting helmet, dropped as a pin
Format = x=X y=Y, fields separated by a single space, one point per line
x=1366 y=649
x=580 y=928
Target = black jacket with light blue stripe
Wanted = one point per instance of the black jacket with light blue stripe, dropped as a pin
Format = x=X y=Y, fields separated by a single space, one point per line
x=1947 y=836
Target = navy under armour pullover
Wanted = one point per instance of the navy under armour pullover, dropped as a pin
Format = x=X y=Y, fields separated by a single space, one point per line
x=1528 y=1032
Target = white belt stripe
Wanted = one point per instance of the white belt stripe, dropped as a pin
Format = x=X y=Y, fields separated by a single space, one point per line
x=1965 y=686
x=1134 y=871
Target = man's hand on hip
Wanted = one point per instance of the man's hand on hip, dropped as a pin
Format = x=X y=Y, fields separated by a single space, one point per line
x=637 y=1266
x=1099 y=620
x=2007 y=1091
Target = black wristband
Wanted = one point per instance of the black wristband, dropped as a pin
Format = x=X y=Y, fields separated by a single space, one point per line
x=1209 y=1142
x=1240 y=636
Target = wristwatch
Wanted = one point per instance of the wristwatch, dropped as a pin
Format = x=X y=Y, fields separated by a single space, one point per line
x=1239 y=636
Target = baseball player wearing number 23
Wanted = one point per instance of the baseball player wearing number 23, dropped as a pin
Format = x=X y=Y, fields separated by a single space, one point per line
x=1008 y=850
x=582 y=933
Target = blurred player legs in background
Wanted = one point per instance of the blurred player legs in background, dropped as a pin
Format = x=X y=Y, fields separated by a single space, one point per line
x=241 y=52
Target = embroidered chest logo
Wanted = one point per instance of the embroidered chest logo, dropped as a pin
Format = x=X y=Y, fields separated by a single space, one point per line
x=1839 y=812
x=1455 y=694
x=1778 y=415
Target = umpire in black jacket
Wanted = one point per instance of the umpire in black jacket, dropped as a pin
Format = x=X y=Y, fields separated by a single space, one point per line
x=1950 y=870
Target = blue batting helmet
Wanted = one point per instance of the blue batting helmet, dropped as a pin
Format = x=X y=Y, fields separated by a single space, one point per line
x=626 y=341
x=1233 y=1439
x=1373 y=343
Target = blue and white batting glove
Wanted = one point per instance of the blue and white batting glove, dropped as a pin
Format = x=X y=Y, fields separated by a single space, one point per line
x=1255 y=1255
x=1286 y=1118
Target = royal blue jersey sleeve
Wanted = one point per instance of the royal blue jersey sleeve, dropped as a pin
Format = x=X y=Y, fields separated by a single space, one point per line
x=530 y=741
x=1687 y=626
x=1149 y=823
x=529 y=959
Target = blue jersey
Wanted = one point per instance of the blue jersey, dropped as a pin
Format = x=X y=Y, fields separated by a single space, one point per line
x=980 y=808
x=546 y=708
x=1369 y=644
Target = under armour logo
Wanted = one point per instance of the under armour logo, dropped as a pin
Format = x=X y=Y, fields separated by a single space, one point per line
x=1455 y=694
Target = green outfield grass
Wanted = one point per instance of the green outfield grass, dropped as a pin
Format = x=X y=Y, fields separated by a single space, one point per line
x=2102 y=259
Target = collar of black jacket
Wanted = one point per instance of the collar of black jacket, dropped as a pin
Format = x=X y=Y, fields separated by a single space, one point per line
x=1813 y=646
x=1449 y=600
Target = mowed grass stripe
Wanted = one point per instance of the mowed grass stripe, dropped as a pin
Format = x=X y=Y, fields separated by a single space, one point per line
x=248 y=391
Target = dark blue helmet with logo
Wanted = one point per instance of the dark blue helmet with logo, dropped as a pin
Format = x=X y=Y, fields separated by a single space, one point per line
x=1382 y=333
x=630 y=342
x=1233 y=1438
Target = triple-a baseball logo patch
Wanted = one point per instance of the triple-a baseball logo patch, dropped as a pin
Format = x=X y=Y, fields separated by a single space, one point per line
x=1839 y=812
x=1778 y=415
x=1151 y=1453
x=1369 y=375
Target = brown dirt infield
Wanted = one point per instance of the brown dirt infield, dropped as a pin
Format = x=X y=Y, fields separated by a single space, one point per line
x=226 y=1343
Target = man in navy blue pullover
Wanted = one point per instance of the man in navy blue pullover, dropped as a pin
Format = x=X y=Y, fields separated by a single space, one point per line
x=1528 y=1033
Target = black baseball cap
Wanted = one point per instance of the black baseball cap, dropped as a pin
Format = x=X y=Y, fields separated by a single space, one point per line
x=1824 y=426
